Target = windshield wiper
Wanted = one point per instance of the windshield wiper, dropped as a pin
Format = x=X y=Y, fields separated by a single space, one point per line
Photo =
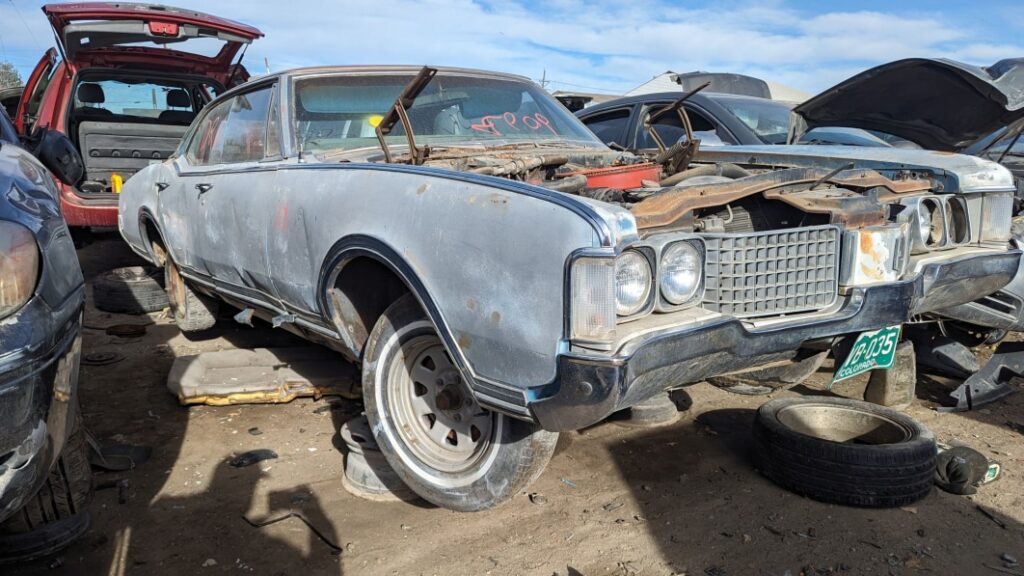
x=399 y=113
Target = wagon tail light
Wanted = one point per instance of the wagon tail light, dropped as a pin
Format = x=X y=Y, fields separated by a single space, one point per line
x=19 y=267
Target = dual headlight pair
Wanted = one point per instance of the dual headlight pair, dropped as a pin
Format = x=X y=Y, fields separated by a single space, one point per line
x=19 y=267
x=605 y=290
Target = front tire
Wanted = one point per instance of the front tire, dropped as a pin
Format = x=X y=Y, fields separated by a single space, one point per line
x=442 y=444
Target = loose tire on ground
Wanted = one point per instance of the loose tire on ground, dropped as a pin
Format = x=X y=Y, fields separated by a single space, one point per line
x=845 y=451
x=439 y=441
x=130 y=290
x=192 y=312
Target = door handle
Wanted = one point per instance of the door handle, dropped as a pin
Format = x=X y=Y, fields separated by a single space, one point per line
x=203 y=187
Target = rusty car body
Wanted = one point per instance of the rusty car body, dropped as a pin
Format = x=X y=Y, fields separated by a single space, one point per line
x=502 y=275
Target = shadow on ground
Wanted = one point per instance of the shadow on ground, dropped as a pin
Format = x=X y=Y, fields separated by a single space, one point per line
x=173 y=518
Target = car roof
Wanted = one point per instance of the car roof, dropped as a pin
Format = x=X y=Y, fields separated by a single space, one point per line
x=700 y=99
x=370 y=69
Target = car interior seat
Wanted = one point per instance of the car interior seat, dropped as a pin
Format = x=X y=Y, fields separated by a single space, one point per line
x=178 y=98
x=91 y=93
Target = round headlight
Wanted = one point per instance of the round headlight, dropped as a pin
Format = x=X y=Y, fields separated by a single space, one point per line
x=632 y=283
x=680 y=272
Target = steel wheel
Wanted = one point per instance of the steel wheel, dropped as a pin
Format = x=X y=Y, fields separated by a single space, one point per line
x=435 y=416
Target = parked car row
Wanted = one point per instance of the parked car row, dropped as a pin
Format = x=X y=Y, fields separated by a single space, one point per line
x=501 y=270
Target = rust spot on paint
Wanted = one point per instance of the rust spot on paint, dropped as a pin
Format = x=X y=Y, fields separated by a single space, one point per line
x=496 y=317
x=464 y=341
x=471 y=304
x=422 y=188
x=281 y=218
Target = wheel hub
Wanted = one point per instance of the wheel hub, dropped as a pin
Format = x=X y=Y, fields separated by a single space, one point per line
x=434 y=413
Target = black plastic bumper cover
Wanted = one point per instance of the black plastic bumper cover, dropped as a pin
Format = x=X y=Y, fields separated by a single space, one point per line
x=38 y=386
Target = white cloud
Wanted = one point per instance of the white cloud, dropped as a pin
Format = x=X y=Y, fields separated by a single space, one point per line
x=604 y=45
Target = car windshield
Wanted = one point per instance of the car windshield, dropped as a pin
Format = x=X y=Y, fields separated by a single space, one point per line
x=342 y=111
x=767 y=118
x=1006 y=139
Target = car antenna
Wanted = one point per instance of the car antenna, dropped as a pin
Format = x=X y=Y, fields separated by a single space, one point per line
x=399 y=113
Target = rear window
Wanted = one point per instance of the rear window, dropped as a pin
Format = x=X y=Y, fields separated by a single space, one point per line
x=143 y=99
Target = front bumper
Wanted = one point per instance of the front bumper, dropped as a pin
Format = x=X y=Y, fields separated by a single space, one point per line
x=590 y=387
x=38 y=387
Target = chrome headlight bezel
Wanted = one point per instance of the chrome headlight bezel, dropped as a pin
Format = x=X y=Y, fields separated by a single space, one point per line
x=937 y=222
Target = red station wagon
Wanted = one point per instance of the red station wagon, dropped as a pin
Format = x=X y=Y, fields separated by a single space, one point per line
x=129 y=81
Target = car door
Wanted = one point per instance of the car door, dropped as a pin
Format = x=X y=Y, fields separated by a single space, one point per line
x=224 y=186
x=35 y=87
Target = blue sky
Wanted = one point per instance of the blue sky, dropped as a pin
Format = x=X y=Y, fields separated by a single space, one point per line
x=597 y=45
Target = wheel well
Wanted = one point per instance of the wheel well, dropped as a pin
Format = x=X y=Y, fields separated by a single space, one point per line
x=362 y=290
x=155 y=243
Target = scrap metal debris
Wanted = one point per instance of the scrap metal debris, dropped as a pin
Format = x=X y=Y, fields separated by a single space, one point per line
x=101 y=358
x=252 y=457
x=335 y=549
x=992 y=382
x=126 y=330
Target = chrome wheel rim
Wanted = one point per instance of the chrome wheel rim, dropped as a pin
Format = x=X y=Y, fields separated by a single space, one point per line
x=843 y=425
x=434 y=414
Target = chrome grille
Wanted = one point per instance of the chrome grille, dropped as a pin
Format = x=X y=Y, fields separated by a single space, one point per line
x=773 y=272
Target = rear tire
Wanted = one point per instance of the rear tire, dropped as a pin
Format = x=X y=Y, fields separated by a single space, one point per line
x=845 y=451
x=130 y=290
x=192 y=312
x=439 y=441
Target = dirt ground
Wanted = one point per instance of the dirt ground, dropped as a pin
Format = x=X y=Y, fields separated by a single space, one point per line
x=683 y=499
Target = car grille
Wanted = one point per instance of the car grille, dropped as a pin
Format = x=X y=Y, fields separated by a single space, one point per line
x=773 y=272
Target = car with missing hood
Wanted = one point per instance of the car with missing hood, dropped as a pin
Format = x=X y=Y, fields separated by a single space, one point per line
x=501 y=275
x=44 y=471
x=952 y=107
x=129 y=80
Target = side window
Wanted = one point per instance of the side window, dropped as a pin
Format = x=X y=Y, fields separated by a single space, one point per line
x=610 y=126
x=670 y=129
x=273 y=132
x=234 y=131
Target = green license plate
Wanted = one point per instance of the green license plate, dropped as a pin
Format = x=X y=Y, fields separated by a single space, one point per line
x=875 y=350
